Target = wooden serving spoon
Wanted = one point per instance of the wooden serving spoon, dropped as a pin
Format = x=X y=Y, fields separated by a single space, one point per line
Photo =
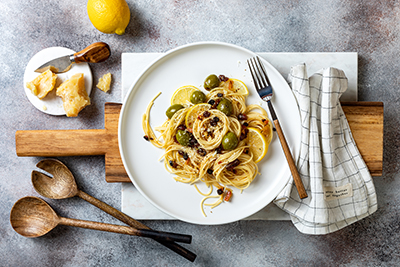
x=33 y=217
x=62 y=185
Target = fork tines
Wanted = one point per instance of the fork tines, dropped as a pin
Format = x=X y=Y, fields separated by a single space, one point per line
x=258 y=73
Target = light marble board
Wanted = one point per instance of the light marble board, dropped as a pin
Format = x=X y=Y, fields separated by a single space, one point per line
x=133 y=64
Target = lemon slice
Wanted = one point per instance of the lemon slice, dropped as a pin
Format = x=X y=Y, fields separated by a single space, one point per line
x=237 y=86
x=194 y=112
x=258 y=144
x=182 y=94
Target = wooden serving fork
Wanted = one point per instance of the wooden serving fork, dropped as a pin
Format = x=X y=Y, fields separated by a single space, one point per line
x=264 y=90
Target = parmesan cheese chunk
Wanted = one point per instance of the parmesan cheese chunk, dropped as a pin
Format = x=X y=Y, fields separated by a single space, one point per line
x=104 y=82
x=73 y=95
x=42 y=84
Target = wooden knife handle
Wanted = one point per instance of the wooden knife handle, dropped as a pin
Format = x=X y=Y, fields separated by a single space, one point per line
x=94 y=53
x=293 y=169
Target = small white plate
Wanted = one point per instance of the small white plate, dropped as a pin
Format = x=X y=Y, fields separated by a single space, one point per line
x=191 y=64
x=52 y=104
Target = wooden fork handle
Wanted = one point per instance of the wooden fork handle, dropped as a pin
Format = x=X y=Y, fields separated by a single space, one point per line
x=293 y=169
x=120 y=229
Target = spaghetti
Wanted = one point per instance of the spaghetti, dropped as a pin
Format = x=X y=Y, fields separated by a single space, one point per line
x=214 y=149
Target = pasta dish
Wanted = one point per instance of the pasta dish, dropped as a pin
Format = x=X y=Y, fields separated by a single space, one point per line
x=212 y=138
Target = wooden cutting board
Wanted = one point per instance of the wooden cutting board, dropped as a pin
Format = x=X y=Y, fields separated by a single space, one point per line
x=365 y=120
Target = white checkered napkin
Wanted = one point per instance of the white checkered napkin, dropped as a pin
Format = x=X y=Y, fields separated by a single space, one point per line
x=339 y=186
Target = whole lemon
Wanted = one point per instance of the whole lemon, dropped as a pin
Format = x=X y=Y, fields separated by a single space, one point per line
x=109 y=16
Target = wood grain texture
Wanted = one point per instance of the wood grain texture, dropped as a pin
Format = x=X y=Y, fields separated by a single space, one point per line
x=365 y=120
x=94 y=53
x=115 y=171
x=366 y=124
x=292 y=165
x=62 y=185
x=33 y=217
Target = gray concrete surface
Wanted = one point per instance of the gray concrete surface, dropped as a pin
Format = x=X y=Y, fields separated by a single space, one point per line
x=370 y=28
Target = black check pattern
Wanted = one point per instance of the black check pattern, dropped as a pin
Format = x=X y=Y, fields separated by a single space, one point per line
x=328 y=157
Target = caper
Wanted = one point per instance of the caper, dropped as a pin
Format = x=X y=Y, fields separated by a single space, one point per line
x=230 y=141
x=183 y=137
x=172 y=110
x=198 y=97
x=211 y=82
x=225 y=106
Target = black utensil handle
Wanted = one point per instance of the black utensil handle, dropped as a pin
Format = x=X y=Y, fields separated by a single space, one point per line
x=132 y=222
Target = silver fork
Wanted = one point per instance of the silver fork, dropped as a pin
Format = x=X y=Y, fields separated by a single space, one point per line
x=264 y=90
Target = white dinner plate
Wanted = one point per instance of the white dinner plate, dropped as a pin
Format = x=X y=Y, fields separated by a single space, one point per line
x=52 y=104
x=191 y=64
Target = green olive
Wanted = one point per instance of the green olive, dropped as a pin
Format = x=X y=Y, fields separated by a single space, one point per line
x=173 y=109
x=211 y=82
x=225 y=106
x=198 y=97
x=230 y=141
x=183 y=137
